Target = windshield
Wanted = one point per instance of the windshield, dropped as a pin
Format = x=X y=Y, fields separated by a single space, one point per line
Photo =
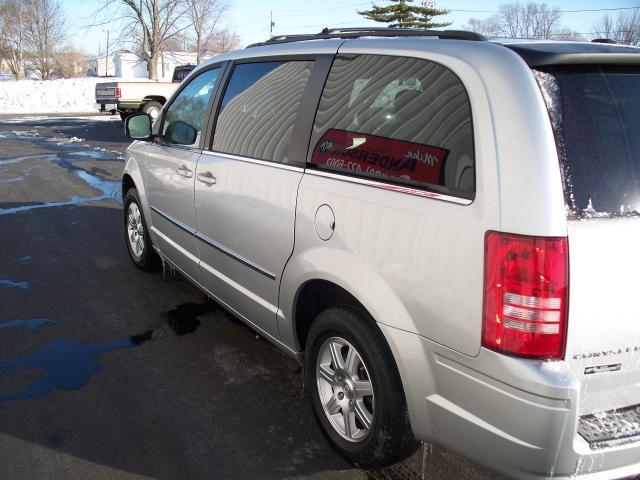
x=596 y=117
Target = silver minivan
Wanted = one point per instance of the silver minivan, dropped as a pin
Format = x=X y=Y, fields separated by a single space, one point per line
x=441 y=228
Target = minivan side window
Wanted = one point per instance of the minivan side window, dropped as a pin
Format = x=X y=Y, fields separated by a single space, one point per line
x=399 y=120
x=259 y=109
x=185 y=117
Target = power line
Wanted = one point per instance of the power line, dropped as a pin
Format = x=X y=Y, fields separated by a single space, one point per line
x=559 y=11
x=316 y=11
x=597 y=33
x=344 y=7
x=300 y=13
x=320 y=26
x=616 y=32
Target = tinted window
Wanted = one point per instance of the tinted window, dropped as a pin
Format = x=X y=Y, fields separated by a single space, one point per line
x=401 y=120
x=259 y=109
x=187 y=114
x=596 y=115
x=180 y=73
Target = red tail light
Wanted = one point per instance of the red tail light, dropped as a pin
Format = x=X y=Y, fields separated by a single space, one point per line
x=117 y=92
x=526 y=292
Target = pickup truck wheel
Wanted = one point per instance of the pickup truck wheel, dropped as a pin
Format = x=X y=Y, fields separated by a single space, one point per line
x=355 y=389
x=136 y=233
x=152 y=109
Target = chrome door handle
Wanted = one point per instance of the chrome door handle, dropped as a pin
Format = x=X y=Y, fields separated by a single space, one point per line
x=206 y=177
x=185 y=172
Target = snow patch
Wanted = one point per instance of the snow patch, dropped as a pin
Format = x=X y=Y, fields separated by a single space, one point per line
x=109 y=189
x=56 y=118
x=20 y=134
x=65 y=140
x=70 y=95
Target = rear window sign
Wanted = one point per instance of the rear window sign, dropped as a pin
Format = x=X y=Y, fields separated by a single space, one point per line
x=362 y=153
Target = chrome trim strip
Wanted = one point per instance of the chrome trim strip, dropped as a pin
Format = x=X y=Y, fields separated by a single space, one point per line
x=388 y=186
x=246 y=262
x=216 y=245
x=254 y=161
x=177 y=223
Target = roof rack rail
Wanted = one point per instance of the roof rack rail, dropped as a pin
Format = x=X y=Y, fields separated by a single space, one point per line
x=327 y=33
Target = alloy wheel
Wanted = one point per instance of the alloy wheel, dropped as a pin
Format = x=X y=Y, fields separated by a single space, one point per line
x=345 y=389
x=135 y=230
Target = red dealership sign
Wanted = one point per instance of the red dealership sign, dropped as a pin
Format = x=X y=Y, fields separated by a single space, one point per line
x=383 y=157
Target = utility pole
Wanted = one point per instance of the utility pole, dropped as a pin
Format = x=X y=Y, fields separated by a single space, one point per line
x=271 y=25
x=106 y=57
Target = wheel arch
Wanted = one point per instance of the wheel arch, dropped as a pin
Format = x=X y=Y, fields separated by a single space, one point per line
x=316 y=276
x=317 y=295
x=127 y=184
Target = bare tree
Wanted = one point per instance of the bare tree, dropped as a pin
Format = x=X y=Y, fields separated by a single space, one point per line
x=204 y=16
x=70 y=63
x=486 y=27
x=153 y=23
x=531 y=20
x=45 y=29
x=624 y=29
x=223 y=41
x=12 y=35
x=180 y=42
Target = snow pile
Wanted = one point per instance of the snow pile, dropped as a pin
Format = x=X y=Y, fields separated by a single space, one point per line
x=73 y=95
x=65 y=140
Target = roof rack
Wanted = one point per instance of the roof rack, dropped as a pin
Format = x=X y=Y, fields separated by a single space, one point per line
x=327 y=33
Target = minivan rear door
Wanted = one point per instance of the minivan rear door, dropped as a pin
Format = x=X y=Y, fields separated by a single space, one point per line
x=596 y=116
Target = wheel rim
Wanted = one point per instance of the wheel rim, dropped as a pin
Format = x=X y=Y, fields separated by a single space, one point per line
x=135 y=230
x=345 y=389
x=153 y=112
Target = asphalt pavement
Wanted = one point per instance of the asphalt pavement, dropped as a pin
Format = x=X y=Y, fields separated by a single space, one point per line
x=108 y=372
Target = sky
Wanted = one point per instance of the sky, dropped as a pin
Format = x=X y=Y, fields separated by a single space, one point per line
x=250 y=18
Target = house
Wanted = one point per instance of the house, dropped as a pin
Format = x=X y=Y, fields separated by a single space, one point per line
x=130 y=65
x=103 y=65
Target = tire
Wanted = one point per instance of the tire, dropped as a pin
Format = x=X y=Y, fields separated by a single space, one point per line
x=136 y=234
x=388 y=437
x=152 y=109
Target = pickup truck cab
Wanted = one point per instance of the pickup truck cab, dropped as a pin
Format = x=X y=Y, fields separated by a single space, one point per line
x=142 y=96
x=442 y=228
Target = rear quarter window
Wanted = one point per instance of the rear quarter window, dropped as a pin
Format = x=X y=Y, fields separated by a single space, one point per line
x=399 y=120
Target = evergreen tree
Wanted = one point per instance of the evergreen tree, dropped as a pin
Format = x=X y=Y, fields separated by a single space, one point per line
x=402 y=14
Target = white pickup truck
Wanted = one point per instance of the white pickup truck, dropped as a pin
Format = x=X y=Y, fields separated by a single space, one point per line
x=146 y=96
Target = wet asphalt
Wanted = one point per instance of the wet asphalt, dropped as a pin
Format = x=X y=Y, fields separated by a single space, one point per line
x=108 y=372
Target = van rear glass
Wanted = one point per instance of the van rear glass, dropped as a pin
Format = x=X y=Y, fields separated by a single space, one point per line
x=595 y=112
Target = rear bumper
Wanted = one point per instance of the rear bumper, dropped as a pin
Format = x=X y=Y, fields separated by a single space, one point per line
x=105 y=106
x=112 y=103
x=517 y=416
x=129 y=105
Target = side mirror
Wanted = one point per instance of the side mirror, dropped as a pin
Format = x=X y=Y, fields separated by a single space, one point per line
x=180 y=133
x=138 y=127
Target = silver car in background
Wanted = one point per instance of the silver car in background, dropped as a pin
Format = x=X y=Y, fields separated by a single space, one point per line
x=443 y=229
